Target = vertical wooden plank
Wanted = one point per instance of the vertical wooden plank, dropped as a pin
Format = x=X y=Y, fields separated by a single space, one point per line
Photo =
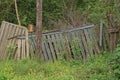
x=55 y=46
x=93 y=36
x=51 y=47
x=19 y=49
x=31 y=46
x=3 y=37
x=15 y=31
x=58 y=44
x=2 y=31
x=71 y=37
x=84 y=43
x=64 y=45
x=94 y=44
x=4 y=41
x=105 y=42
x=67 y=45
x=77 y=33
x=89 y=43
x=62 y=40
x=23 y=44
x=47 y=48
x=23 y=49
x=27 y=43
x=44 y=51
x=101 y=34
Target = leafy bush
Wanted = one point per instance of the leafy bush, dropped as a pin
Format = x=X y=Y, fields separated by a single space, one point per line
x=115 y=62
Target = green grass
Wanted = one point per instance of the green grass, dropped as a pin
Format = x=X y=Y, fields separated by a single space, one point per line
x=96 y=68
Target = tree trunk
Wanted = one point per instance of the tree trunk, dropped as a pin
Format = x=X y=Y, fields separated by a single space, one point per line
x=39 y=28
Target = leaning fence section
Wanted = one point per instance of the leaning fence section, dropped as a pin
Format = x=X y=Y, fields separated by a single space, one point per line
x=8 y=42
x=74 y=43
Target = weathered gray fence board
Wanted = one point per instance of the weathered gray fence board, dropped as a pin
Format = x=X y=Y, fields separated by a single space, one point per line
x=3 y=47
x=84 y=42
x=88 y=43
x=72 y=44
x=92 y=45
x=55 y=45
x=78 y=45
x=58 y=45
x=92 y=40
x=48 y=51
x=44 y=51
x=67 y=44
x=81 y=45
x=62 y=42
x=95 y=41
x=51 y=47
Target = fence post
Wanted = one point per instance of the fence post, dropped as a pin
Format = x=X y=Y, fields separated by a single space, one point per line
x=101 y=33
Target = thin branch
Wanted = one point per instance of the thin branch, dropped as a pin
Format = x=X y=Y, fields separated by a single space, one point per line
x=17 y=15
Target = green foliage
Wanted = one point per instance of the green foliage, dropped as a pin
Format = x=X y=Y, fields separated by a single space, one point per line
x=75 y=47
x=96 y=68
x=11 y=49
x=115 y=62
x=68 y=11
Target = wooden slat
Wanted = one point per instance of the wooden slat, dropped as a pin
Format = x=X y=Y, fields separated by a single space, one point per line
x=92 y=40
x=89 y=43
x=62 y=40
x=16 y=31
x=95 y=41
x=44 y=51
x=23 y=46
x=23 y=49
x=4 y=41
x=32 y=45
x=101 y=34
x=47 y=49
x=80 y=45
x=2 y=32
x=58 y=44
x=56 y=49
x=51 y=47
x=27 y=43
x=67 y=46
x=19 y=49
x=84 y=42
x=58 y=41
x=71 y=37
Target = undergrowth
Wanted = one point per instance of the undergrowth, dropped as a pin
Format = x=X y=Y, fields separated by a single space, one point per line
x=115 y=62
x=96 y=68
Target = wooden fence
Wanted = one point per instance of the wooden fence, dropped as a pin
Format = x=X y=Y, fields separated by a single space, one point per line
x=74 y=43
x=8 y=32
x=77 y=43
